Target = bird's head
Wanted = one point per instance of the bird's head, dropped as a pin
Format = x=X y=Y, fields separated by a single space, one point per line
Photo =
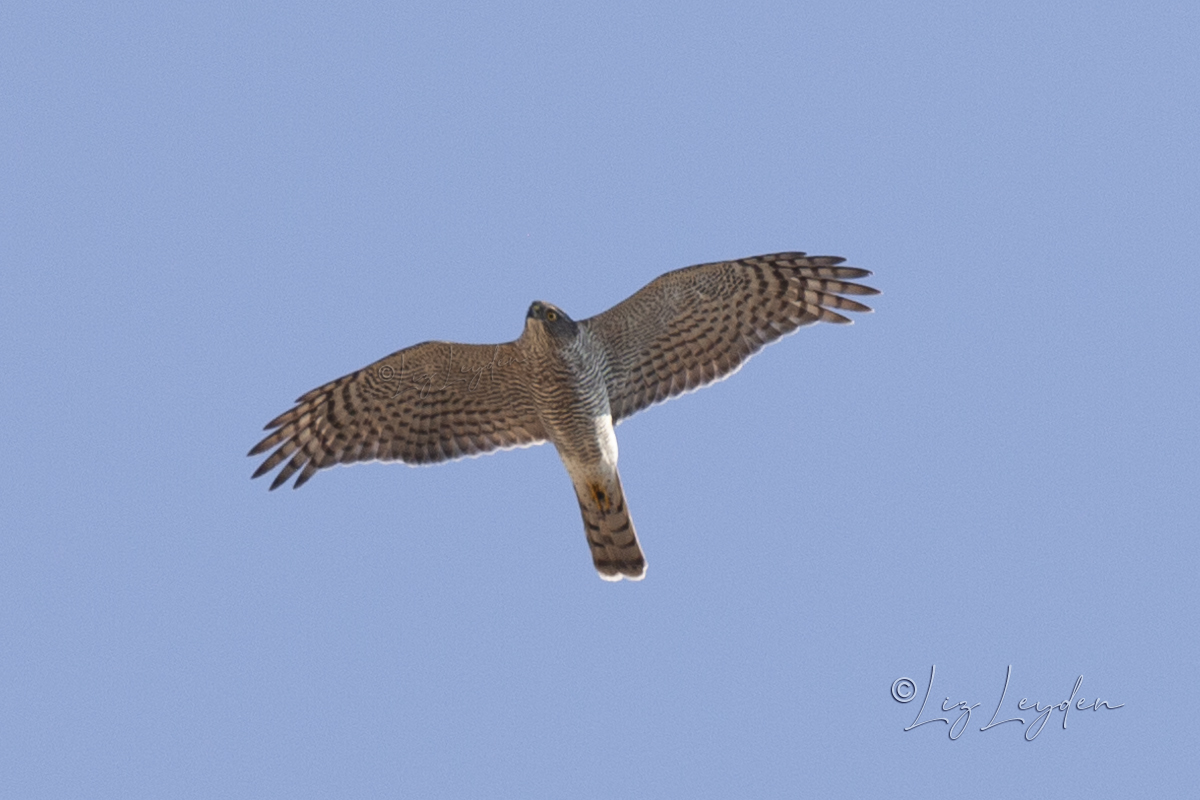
x=552 y=320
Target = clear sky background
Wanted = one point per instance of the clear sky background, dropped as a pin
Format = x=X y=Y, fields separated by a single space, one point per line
x=208 y=209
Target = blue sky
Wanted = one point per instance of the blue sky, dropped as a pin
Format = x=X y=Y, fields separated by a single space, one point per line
x=207 y=210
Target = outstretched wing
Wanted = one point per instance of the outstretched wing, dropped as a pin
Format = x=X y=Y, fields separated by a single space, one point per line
x=432 y=402
x=696 y=325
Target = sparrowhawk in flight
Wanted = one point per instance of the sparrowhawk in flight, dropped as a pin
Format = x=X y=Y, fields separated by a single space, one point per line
x=564 y=381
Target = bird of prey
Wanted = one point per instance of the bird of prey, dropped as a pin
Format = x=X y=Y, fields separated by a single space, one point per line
x=564 y=381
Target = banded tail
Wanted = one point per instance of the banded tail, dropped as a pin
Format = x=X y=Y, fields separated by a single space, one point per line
x=609 y=528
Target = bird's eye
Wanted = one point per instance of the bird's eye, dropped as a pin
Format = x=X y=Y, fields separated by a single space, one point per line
x=551 y=316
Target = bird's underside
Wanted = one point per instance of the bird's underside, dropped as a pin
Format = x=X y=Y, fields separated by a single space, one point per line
x=564 y=381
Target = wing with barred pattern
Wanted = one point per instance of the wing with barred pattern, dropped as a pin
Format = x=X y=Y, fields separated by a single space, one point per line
x=696 y=325
x=435 y=401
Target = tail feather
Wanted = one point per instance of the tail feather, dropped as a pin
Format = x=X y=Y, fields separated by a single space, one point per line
x=609 y=529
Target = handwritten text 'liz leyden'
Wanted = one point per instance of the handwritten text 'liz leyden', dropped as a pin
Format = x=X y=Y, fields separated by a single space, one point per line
x=904 y=690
